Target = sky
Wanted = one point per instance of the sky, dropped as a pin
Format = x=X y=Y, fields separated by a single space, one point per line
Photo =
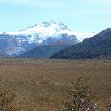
x=78 y=15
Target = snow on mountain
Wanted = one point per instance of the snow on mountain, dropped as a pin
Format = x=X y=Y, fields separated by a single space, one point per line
x=83 y=35
x=42 y=34
x=43 y=31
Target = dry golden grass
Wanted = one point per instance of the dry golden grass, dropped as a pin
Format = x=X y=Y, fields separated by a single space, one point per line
x=42 y=84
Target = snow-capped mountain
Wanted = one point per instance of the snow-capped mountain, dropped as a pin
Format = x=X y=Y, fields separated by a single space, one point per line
x=40 y=32
x=45 y=33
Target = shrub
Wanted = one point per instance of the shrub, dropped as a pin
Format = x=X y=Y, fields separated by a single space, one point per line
x=80 y=97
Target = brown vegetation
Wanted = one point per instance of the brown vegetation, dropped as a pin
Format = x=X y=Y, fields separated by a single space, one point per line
x=43 y=85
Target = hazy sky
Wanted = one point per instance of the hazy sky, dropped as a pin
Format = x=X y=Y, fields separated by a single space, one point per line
x=78 y=15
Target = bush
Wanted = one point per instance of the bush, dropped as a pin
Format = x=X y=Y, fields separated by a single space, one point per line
x=80 y=97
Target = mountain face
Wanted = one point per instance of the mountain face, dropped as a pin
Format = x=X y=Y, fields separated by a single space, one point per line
x=98 y=46
x=43 y=34
x=13 y=45
x=43 y=51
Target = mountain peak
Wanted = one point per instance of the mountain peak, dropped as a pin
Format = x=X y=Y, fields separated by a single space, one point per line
x=45 y=30
x=48 y=29
x=43 y=34
x=51 y=28
x=52 y=21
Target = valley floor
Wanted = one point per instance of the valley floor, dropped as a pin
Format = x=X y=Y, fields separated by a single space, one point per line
x=42 y=84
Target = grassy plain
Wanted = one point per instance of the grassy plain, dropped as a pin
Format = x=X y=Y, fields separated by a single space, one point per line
x=43 y=85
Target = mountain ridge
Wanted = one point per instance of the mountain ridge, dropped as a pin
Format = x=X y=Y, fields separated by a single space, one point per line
x=45 y=33
x=98 y=46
